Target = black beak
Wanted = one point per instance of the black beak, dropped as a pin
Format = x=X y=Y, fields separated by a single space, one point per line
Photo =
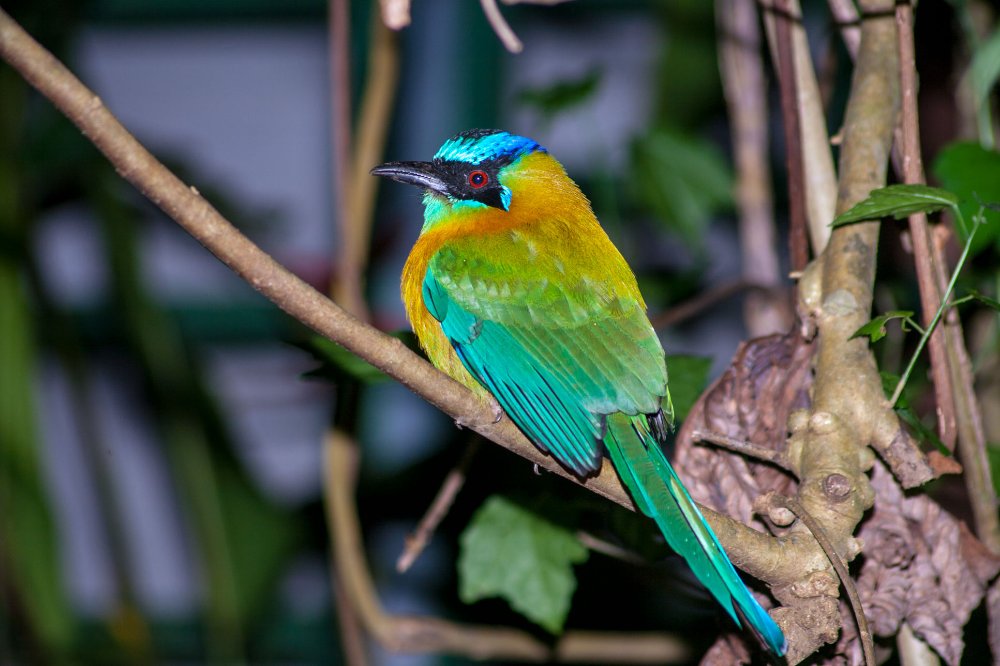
x=421 y=174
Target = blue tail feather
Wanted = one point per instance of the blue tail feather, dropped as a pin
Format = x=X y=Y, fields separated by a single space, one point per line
x=659 y=493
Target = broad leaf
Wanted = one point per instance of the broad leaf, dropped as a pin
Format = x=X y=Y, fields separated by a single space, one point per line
x=509 y=552
x=683 y=180
x=688 y=377
x=898 y=201
x=973 y=173
x=875 y=329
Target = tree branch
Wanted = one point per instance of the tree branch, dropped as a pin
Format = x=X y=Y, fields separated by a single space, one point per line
x=818 y=172
x=741 y=66
x=828 y=445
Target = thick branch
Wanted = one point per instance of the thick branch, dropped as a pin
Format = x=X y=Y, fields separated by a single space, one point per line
x=754 y=551
x=849 y=411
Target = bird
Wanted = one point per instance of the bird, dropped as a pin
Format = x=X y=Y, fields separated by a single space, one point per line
x=514 y=289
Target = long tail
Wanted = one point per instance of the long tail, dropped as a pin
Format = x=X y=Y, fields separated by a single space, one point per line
x=659 y=493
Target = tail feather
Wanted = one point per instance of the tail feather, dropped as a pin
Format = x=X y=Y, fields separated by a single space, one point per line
x=659 y=494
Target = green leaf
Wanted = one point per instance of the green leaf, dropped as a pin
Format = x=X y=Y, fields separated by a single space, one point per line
x=688 y=376
x=509 y=552
x=899 y=201
x=875 y=329
x=683 y=180
x=973 y=173
x=29 y=546
x=562 y=95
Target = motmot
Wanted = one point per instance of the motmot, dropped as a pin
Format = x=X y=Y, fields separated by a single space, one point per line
x=515 y=290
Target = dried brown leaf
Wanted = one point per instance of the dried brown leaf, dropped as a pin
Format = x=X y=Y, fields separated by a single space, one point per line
x=921 y=565
x=768 y=378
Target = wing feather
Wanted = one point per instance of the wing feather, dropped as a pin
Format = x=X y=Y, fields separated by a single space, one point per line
x=559 y=355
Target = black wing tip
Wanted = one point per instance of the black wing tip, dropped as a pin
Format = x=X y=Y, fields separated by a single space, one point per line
x=660 y=426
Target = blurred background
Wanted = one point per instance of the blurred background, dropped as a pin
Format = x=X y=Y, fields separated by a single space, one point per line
x=163 y=424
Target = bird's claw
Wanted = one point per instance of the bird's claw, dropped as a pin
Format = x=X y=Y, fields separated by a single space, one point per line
x=462 y=423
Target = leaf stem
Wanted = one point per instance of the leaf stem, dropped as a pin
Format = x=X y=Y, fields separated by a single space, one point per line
x=941 y=308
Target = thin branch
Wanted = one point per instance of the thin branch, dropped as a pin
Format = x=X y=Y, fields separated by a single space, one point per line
x=818 y=171
x=352 y=633
x=342 y=287
x=757 y=553
x=741 y=66
x=501 y=27
x=428 y=634
x=374 y=114
x=788 y=84
x=845 y=14
x=923 y=255
x=453 y=482
x=702 y=301
x=823 y=540
x=603 y=547
x=952 y=354
x=745 y=448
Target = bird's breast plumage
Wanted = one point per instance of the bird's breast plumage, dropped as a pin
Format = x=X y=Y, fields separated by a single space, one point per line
x=545 y=265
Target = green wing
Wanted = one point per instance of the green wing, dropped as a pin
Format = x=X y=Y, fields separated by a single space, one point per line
x=559 y=355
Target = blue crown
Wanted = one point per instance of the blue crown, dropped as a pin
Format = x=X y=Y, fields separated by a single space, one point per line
x=476 y=146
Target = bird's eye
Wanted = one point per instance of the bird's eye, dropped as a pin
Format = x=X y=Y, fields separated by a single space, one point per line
x=478 y=179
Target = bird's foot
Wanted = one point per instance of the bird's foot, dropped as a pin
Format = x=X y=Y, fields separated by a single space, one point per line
x=497 y=415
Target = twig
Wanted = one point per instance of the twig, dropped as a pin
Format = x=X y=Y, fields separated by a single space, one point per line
x=342 y=287
x=932 y=325
x=798 y=244
x=818 y=172
x=611 y=550
x=757 y=553
x=967 y=413
x=500 y=26
x=372 y=129
x=826 y=544
x=908 y=144
x=453 y=482
x=701 y=302
x=743 y=447
x=845 y=14
x=352 y=634
x=742 y=68
x=427 y=634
